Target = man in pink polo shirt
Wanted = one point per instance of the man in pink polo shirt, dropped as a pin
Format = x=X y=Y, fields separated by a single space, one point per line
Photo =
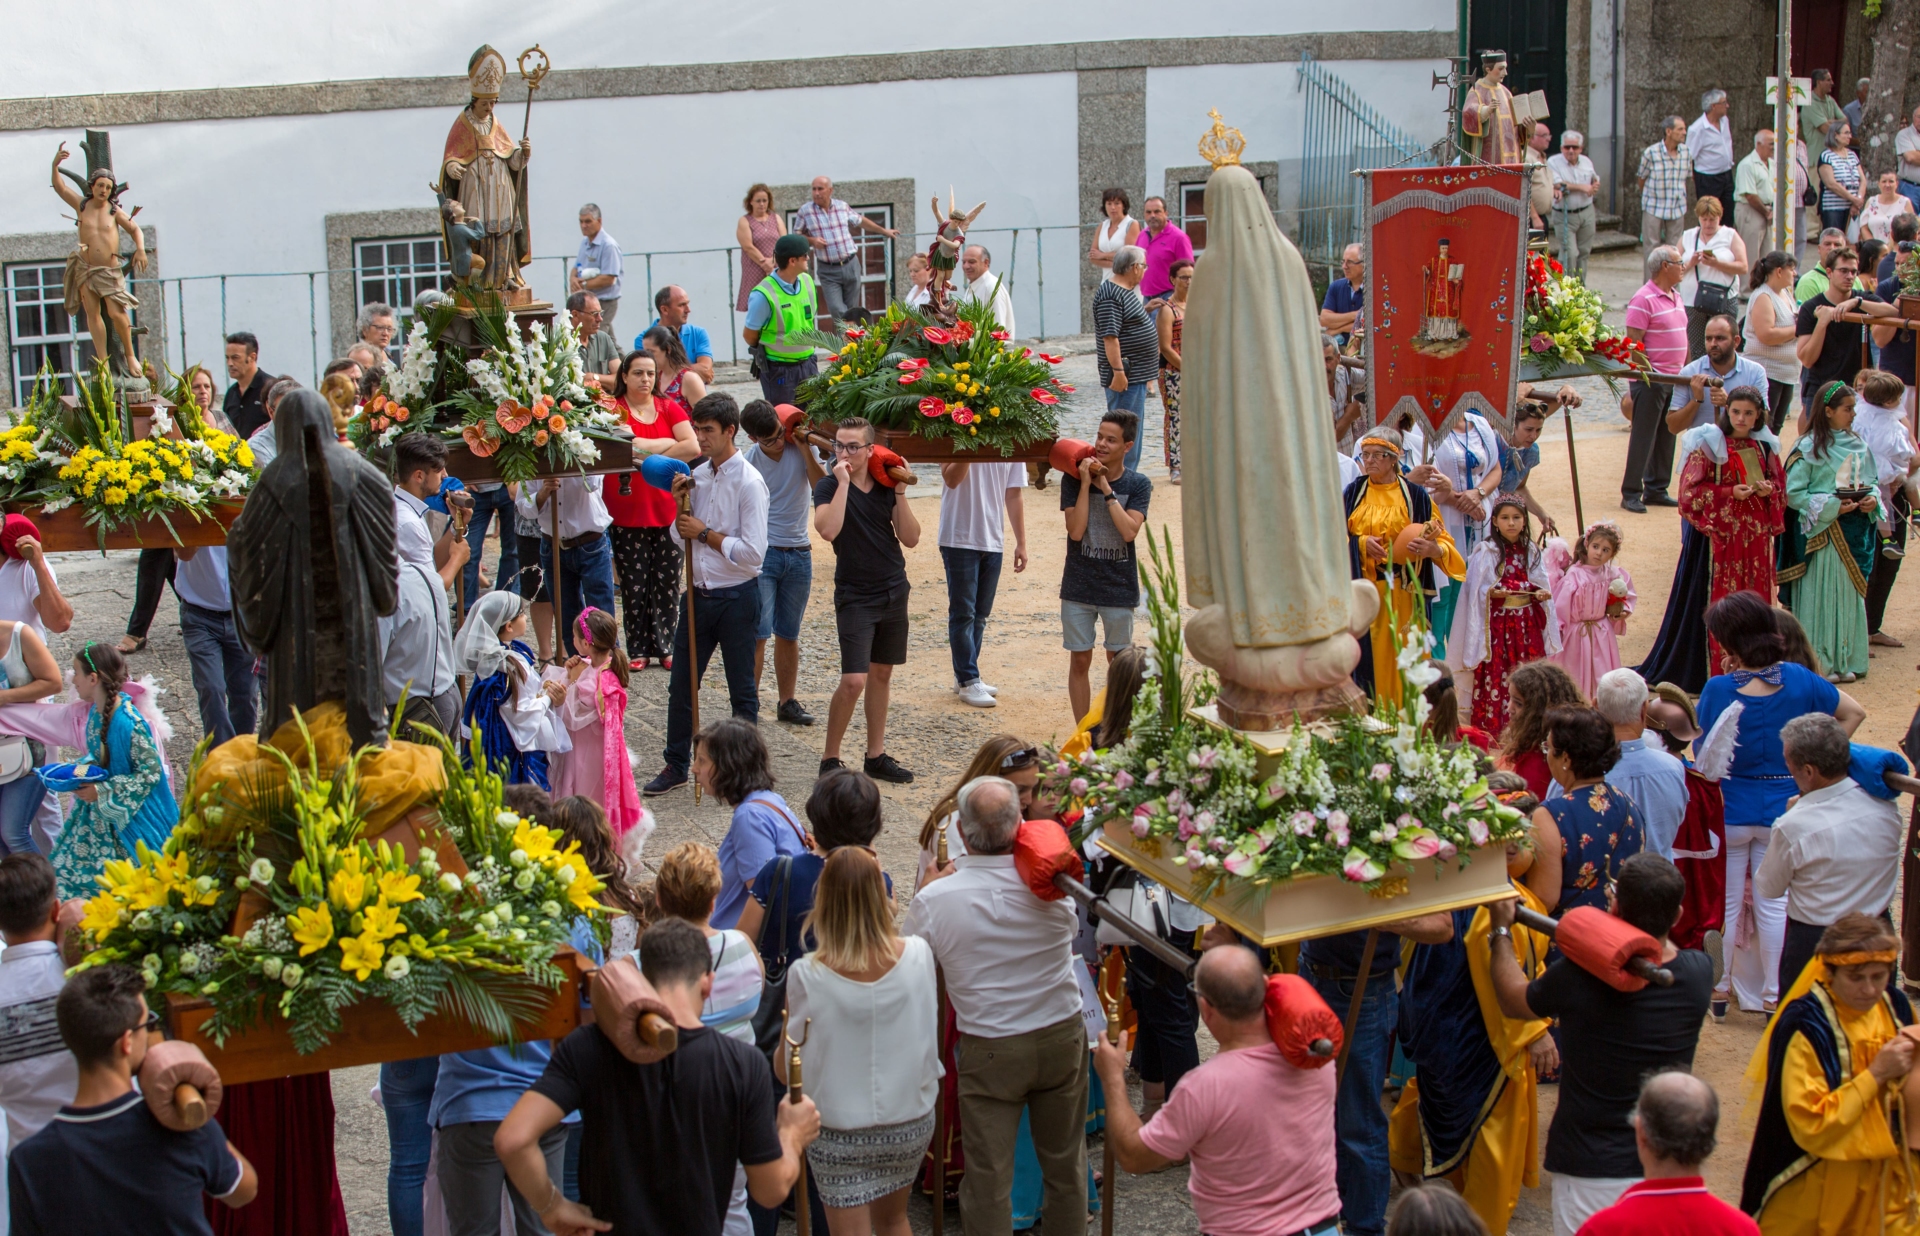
x=1674 y=1125
x=1259 y=1131
x=1658 y=320
x=1165 y=244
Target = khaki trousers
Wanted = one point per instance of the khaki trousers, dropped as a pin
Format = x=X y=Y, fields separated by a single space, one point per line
x=1044 y=1071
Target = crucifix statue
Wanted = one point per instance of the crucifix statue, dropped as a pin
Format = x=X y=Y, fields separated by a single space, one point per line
x=95 y=283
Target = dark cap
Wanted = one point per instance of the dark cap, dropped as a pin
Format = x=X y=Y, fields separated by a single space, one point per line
x=789 y=247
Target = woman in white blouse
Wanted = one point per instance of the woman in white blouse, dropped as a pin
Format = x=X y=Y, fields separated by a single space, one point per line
x=1714 y=263
x=870 y=1060
x=1118 y=230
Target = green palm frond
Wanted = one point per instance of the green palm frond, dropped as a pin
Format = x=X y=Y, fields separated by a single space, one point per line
x=495 y=1003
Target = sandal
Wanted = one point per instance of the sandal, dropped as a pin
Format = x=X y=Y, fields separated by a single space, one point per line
x=138 y=644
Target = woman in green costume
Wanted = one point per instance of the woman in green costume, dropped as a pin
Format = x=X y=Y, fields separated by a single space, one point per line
x=1826 y=550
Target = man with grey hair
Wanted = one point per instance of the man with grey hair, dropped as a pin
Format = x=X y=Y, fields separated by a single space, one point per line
x=368 y=357
x=1575 y=185
x=596 y=267
x=981 y=284
x=1837 y=849
x=1656 y=318
x=1710 y=145
x=1008 y=961
x=375 y=325
x=1661 y=179
x=1655 y=782
x=599 y=354
x=1753 y=197
x=1855 y=110
x=1346 y=296
x=1127 y=345
x=1675 y=1124
x=1906 y=147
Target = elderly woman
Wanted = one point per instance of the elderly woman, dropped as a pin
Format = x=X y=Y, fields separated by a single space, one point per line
x=1391 y=531
x=1769 y=691
x=1128 y=346
x=1829 y=1150
x=1598 y=826
x=1841 y=194
x=1713 y=260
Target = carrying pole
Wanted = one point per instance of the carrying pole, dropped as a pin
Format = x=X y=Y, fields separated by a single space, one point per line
x=1106 y=1142
x=802 y=1215
x=1573 y=467
x=940 y=1045
x=1353 y=1005
x=693 y=638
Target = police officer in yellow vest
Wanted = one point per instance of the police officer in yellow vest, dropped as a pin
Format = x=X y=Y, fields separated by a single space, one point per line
x=780 y=308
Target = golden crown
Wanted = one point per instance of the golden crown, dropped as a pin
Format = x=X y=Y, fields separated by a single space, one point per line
x=485 y=73
x=1220 y=145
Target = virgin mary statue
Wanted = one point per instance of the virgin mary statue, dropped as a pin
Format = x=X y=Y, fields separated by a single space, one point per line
x=1266 y=546
x=486 y=172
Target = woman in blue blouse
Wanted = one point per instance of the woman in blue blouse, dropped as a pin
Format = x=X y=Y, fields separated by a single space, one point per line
x=1763 y=691
x=1599 y=826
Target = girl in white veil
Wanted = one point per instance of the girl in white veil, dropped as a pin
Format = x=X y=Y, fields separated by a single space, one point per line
x=510 y=713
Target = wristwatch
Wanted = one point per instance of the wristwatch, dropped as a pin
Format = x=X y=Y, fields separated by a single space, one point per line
x=1503 y=933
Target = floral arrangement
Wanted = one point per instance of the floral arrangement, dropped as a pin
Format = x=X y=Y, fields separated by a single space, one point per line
x=402 y=390
x=1357 y=799
x=117 y=481
x=963 y=382
x=527 y=404
x=1562 y=326
x=25 y=455
x=329 y=919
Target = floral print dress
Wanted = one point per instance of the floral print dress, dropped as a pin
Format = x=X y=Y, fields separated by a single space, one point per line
x=1599 y=830
x=134 y=803
x=1741 y=530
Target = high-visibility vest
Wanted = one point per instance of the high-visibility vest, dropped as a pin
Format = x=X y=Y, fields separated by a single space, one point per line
x=792 y=314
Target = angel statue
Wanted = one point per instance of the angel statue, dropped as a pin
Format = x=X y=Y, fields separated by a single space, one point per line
x=95 y=281
x=949 y=238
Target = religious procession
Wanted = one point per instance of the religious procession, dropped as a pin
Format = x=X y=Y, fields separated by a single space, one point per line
x=1394 y=871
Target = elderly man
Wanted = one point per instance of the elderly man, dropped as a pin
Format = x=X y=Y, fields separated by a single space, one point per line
x=672 y=308
x=1674 y=1128
x=1575 y=185
x=599 y=354
x=1655 y=781
x=1662 y=182
x=1346 y=296
x=1259 y=1131
x=1814 y=282
x=1658 y=320
x=982 y=285
x=827 y=224
x=1855 y=110
x=1710 y=146
x=1539 y=181
x=1753 y=197
x=377 y=327
x=596 y=267
x=368 y=358
x=1008 y=960
x=1128 y=359
x=1906 y=145
x=1837 y=849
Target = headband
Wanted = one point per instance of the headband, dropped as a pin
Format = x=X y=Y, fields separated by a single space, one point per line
x=1887 y=955
x=1383 y=444
x=1831 y=391
x=580 y=623
x=86 y=654
x=1513 y=796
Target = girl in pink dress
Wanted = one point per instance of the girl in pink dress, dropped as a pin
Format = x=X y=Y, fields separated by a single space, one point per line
x=1592 y=597
x=595 y=714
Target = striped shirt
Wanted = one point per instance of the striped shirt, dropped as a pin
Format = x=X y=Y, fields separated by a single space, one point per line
x=1663 y=176
x=832 y=223
x=1662 y=322
x=735 y=997
x=1118 y=312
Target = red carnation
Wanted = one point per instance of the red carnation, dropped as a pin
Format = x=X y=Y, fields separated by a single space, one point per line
x=932 y=405
x=1042 y=395
x=934 y=335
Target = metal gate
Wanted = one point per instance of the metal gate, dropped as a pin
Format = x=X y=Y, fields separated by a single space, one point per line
x=1343 y=135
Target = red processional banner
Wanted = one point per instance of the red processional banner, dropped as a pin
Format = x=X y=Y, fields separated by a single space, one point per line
x=1445 y=292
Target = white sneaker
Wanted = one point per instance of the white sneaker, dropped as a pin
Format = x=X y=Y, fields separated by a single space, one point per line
x=977 y=695
x=988 y=687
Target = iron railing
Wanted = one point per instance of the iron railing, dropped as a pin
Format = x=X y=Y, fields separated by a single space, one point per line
x=1343 y=135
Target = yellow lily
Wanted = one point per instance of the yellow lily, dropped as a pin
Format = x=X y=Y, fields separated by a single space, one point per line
x=361 y=955
x=312 y=927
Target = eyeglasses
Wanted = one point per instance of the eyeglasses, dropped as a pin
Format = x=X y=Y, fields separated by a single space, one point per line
x=1353 y=261
x=151 y=1024
x=850 y=448
x=1021 y=759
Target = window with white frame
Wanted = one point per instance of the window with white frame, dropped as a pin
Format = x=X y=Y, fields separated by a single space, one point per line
x=41 y=330
x=392 y=270
x=875 y=254
x=1193 y=214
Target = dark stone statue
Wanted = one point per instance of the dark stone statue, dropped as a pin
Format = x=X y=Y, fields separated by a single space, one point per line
x=312 y=565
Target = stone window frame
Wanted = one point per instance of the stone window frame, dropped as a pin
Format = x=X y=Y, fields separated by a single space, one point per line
x=1267 y=172
x=343 y=231
x=35 y=248
x=900 y=194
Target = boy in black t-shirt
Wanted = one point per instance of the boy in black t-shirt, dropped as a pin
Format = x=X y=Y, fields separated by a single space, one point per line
x=659 y=1140
x=105 y=1163
x=1106 y=507
x=1609 y=1039
x=867 y=523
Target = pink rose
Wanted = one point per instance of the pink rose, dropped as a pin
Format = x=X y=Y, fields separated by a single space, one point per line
x=1142 y=823
x=1078 y=786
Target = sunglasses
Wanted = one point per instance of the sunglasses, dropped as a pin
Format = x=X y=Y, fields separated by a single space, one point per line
x=1022 y=758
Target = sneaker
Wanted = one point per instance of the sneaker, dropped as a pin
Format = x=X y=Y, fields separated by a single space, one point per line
x=1633 y=504
x=792 y=713
x=669 y=779
x=884 y=767
x=960 y=688
x=829 y=764
x=976 y=695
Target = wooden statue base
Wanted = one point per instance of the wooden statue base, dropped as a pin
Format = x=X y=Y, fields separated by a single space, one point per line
x=616 y=455
x=912 y=447
x=67 y=530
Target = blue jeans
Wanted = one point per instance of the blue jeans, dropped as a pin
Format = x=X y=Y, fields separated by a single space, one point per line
x=1134 y=400
x=19 y=803
x=586 y=578
x=486 y=503
x=1361 y=1168
x=1911 y=191
x=406 y=1092
x=786 y=579
x=223 y=674
x=973 y=575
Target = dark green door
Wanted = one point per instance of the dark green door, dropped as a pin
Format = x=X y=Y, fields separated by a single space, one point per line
x=1533 y=33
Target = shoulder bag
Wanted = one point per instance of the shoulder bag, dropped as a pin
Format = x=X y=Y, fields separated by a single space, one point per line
x=768 y=1018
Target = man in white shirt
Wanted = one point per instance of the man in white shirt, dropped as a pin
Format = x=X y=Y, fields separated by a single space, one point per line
x=1753 y=187
x=726 y=531
x=976 y=499
x=223 y=676
x=416 y=651
x=1906 y=144
x=1575 y=183
x=1008 y=961
x=983 y=285
x=1837 y=849
x=420 y=461
x=37 y=1072
x=1710 y=142
x=791 y=470
x=586 y=551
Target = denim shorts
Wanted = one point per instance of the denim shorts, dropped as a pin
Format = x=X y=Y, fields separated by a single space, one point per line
x=1076 y=625
x=786 y=579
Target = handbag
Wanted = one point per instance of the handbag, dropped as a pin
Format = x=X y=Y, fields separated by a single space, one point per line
x=769 y=1019
x=17 y=758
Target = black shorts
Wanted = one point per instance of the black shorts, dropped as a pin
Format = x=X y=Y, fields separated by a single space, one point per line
x=872 y=629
